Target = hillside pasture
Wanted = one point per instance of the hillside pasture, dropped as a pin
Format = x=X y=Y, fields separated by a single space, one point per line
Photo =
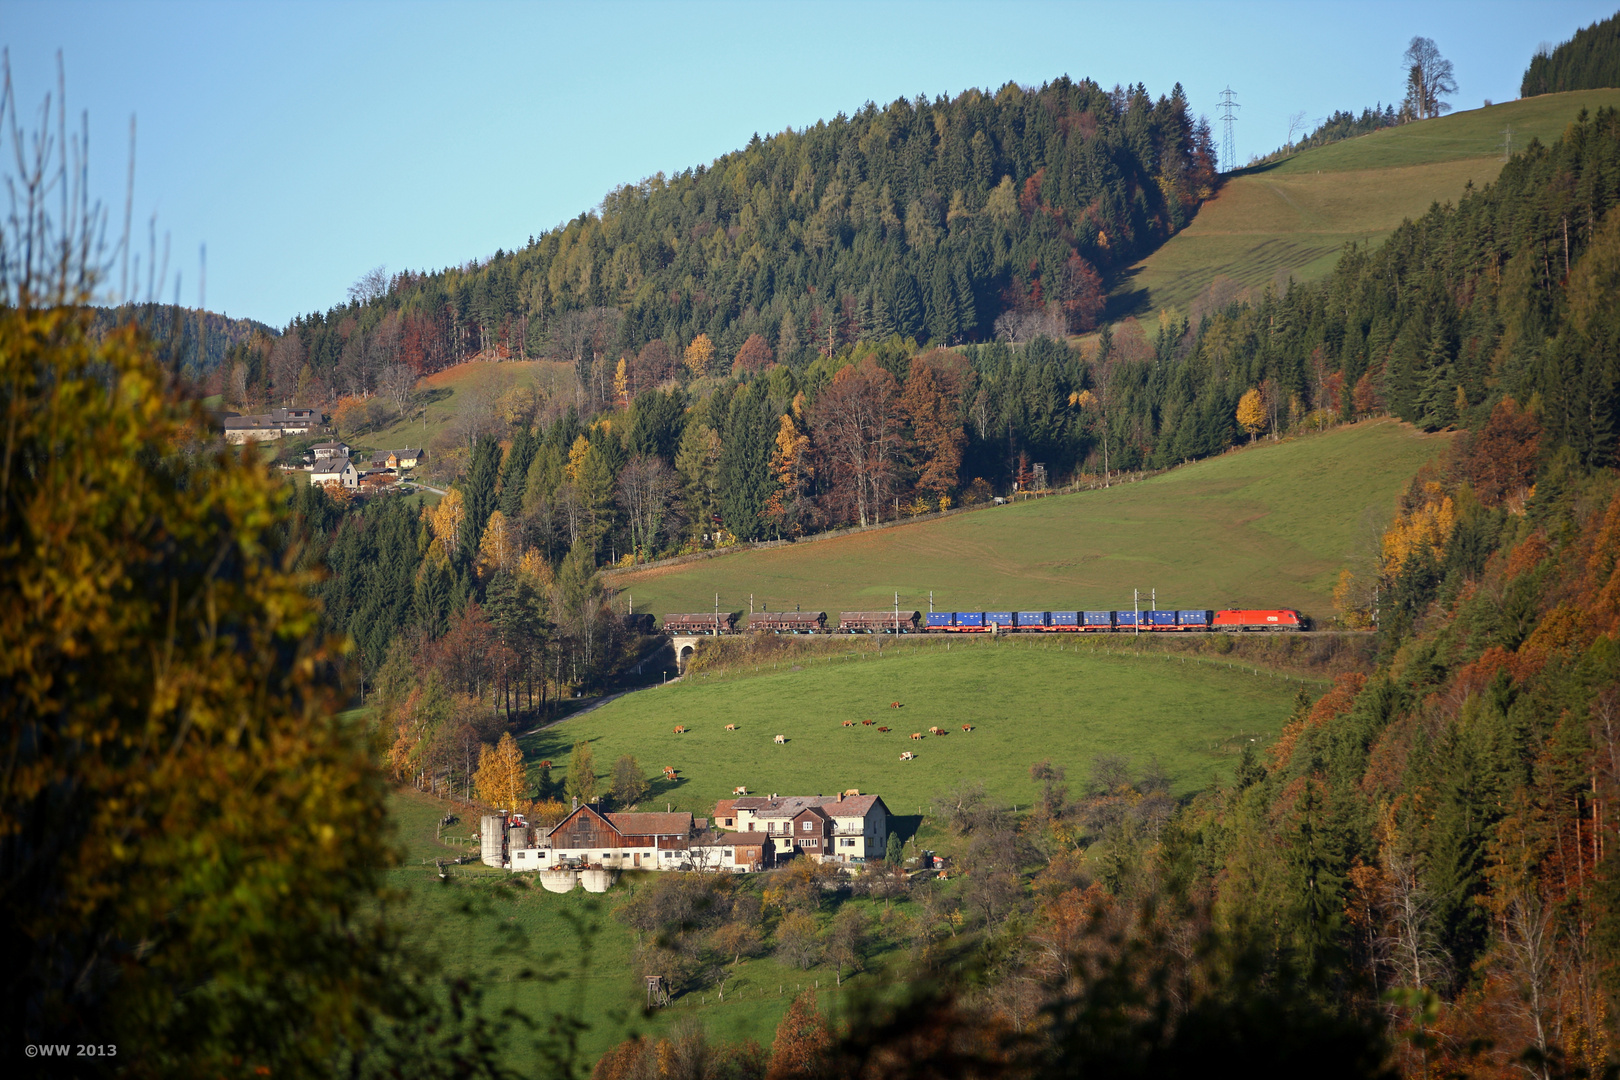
x=442 y=396
x=1266 y=526
x=1027 y=700
x=1293 y=217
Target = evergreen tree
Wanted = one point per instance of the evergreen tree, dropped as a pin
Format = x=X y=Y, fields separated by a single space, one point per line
x=745 y=476
x=479 y=489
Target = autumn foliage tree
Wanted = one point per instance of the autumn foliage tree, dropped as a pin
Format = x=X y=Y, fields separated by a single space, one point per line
x=803 y=1041
x=754 y=356
x=698 y=355
x=1251 y=413
x=189 y=831
x=501 y=780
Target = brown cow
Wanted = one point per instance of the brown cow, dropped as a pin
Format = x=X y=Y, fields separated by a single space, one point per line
x=731 y=727
x=895 y=705
x=885 y=729
x=936 y=731
x=739 y=791
x=849 y=723
x=916 y=734
x=967 y=727
x=868 y=723
x=680 y=729
x=669 y=772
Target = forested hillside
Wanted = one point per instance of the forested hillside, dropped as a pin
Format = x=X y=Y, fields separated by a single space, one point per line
x=927 y=219
x=1587 y=61
x=187 y=341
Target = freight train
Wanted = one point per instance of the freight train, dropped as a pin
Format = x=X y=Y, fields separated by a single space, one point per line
x=1190 y=620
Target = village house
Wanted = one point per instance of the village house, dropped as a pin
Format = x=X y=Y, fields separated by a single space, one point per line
x=267 y=427
x=848 y=828
x=335 y=470
x=334 y=449
x=395 y=460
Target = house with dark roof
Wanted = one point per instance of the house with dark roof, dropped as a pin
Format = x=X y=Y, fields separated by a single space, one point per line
x=335 y=470
x=266 y=427
x=848 y=828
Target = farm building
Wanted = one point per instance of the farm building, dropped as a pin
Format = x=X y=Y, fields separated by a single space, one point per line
x=848 y=828
x=631 y=841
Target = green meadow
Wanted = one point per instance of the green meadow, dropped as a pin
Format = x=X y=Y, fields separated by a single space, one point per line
x=1027 y=699
x=1266 y=526
x=1294 y=217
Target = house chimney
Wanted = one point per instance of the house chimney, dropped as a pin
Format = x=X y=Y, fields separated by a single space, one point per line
x=576 y=803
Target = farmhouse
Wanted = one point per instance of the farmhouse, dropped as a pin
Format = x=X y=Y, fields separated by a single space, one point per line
x=335 y=470
x=266 y=427
x=630 y=841
x=848 y=828
x=395 y=460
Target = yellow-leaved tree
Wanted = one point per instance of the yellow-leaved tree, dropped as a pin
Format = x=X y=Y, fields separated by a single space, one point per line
x=621 y=382
x=501 y=780
x=498 y=549
x=698 y=356
x=1251 y=413
x=191 y=835
x=447 y=520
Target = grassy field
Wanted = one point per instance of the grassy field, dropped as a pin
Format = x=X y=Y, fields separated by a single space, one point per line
x=1027 y=699
x=1266 y=526
x=445 y=393
x=1295 y=216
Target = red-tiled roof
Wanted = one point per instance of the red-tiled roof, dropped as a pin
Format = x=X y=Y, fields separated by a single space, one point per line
x=725 y=808
x=854 y=806
x=678 y=824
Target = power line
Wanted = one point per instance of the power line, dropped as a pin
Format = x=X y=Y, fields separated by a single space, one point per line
x=1228 y=143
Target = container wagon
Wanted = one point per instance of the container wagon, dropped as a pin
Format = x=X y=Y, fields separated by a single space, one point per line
x=1193 y=620
x=878 y=622
x=1127 y=620
x=1002 y=621
x=957 y=622
x=789 y=622
x=1159 y=620
x=1031 y=622
x=1237 y=621
x=1097 y=622
x=704 y=622
x=1063 y=621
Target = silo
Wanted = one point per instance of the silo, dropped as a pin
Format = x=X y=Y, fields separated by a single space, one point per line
x=490 y=833
x=517 y=838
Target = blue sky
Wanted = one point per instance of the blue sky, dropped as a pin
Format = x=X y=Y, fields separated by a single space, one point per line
x=305 y=143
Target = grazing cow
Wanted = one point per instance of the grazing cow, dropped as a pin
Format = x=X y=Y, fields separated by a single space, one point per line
x=545 y=764
x=907 y=756
x=867 y=723
x=739 y=791
x=731 y=727
x=885 y=729
x=936 y=731
x=680 y=729
x=916 y=735
x=669 y=772
x=895 y=705
x=967 y=727
x=781 y=738
x=849 y=723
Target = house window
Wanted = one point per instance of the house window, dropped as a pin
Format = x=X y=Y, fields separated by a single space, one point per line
x=728 y=853
x=848 y=843
x=807 y=826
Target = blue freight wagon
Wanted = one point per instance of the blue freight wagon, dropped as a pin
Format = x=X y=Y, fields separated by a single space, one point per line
x=969 y=621
x=1064 y=620
x=1193 y=620
x=1030 y=620
x=940 y=620
x=1101 y=621
x=1159 y=620
x=1003 y=619
x=1128 y=619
